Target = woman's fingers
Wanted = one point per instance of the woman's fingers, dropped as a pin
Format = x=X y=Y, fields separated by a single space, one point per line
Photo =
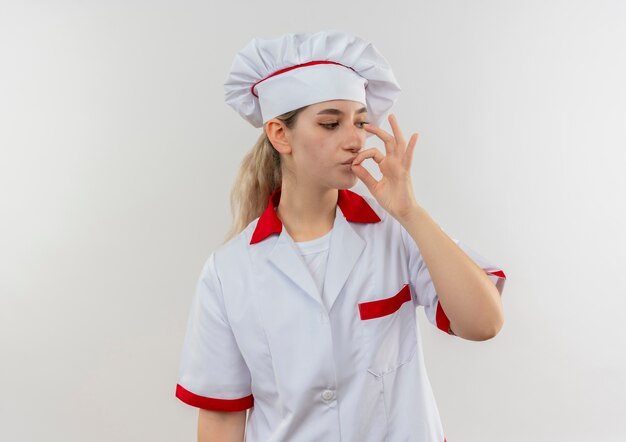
x=400 y=142
x=387 y=138
x=372 y=152
x=408 y=154
x=394 y=144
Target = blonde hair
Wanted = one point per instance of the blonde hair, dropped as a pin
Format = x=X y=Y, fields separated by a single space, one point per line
x=260 y=173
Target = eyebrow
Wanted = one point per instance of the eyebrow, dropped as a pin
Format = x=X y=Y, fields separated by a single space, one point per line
x=338 y=112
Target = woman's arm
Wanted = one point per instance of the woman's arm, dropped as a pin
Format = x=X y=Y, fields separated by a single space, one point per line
x=467 y=295
x=221 y=426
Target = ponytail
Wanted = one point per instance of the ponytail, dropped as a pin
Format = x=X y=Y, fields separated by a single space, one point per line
x=259 y=175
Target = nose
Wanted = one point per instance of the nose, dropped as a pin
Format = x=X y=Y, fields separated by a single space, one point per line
x=355 y=139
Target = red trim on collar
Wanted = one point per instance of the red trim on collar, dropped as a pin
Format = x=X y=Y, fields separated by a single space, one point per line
x=353 y=206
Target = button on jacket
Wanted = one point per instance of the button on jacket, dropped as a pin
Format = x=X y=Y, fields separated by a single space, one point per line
x=259 y=336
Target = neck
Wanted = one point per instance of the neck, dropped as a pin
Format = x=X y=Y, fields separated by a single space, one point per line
x=307 y=213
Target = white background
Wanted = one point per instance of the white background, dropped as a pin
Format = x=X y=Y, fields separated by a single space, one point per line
x=118 y=154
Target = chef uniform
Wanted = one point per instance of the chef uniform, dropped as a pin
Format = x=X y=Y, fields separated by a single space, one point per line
x=317 y=339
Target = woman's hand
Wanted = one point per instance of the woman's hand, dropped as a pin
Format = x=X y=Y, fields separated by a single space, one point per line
x=394 y=191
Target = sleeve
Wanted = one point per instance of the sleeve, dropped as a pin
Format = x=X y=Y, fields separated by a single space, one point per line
x=422 y=285
x=213 y=374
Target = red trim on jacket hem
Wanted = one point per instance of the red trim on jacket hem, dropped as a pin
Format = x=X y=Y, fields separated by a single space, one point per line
x=208 y=403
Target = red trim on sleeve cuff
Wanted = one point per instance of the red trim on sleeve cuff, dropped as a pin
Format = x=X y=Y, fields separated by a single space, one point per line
x=443 y=323
x=208 y=403
x=498 y=273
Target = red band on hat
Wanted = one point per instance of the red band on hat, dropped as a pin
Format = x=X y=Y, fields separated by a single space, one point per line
x=295 y=67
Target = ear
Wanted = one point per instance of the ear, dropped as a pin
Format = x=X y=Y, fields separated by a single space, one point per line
x=278 y=135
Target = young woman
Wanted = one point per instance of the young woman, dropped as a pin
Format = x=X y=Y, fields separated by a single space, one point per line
x=306 y=316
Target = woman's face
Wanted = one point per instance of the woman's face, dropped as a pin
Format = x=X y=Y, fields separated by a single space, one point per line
x=325 y=136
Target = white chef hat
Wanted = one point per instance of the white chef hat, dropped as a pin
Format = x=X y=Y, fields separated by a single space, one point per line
x=269 y=77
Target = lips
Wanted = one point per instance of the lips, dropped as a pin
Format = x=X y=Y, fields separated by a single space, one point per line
x=349 y=161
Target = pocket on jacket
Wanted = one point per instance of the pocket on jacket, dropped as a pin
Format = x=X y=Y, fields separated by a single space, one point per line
x=389 y=331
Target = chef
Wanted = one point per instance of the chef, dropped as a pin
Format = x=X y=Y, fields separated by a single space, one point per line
x=304 y=322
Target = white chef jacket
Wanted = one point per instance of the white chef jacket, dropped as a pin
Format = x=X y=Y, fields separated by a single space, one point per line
x=259 y=336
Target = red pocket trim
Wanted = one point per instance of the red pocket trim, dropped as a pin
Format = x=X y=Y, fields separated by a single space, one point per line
x=383 y=307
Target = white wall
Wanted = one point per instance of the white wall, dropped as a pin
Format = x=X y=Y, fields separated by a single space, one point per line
x=118 y=153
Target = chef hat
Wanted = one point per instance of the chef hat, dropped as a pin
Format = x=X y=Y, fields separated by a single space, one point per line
x=269 y=77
